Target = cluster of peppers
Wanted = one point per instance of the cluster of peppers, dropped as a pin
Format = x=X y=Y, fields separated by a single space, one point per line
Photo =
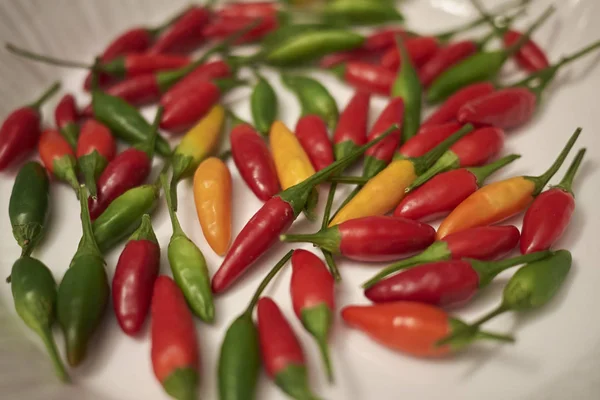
x=418 y=170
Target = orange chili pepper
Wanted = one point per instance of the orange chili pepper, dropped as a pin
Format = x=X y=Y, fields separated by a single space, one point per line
x=291 y=161
x=58 y=157
x=500 y=200
x=212 y=196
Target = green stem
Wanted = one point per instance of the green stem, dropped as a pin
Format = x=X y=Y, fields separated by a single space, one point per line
x=500 y=30
x=224 y=155
x=328 y=205
x=473 y=327
x=324 y=350
x=150 y=143
x=263 y=284
x=335 y=272
x=88 y=240
x=145 y=231
x=50 y=344
x=483 y=172
x=235 y=120
x=485 y=335
x=566 y=183
x=177 y=230
x=351 y=180
x=425 y=162
x=487 y=271
x=45 y=96
x=46 y=59
x=347 y=200
x=512 y=50
x=448 y=161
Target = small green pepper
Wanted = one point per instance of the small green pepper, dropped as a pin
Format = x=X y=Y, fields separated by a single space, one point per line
x=408 y=86
x=361 y=12
x=263 y=103
x=314 y=98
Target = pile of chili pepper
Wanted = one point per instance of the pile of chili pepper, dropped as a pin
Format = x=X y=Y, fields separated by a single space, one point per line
x=416 y=170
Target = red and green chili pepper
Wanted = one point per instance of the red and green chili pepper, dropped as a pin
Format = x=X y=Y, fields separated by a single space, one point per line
x=66 y=115
x=427 y=138
x=58 y=157
x=184 y=33
x=96 y=147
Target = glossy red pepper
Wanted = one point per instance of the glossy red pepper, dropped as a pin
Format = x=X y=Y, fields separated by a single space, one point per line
x=311 y=132
x=66 y=115
x=445 y=58
x=254 y=161
x=351 y=130
x=448 y=111
x=58 y=157
x=427 y=138
x=444 y=283
x=137 y=91
x=420 y=50
x=530 y=57
x=96 y=147
x=249 y=10
x=184 y=34
x=549 y=215
x=371 y=238
x=385 y=39
x=367 y=77
x=221 y=27
x=313 y=298
x=174 y=346
x=20 y=131
x=133 y=282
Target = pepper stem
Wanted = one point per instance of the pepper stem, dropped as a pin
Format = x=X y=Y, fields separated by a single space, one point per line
x=483 y=172
x=227 y=84
x=90 y=166
x=263 y=284
x=338 y=70
x=150 y=143
x=566 y=183
x=542 y=180
x=448 y=161
x=45 y=58
x=88 y=240
x=474 y=327
x=500 y=30
x=177 y=230
x=50 y=344
x=145 y=231
x=45 y=96
x=335 y=272
x=427 y=160
x=487 y=271
x=351 y=180
x=512 y=50
x=350 y=196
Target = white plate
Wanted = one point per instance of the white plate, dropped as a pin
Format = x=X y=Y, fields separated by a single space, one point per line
x=557 y=355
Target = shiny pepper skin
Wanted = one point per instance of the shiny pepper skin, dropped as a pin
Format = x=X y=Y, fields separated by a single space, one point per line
x=66 y=116
x=427 y=138
x=530 y=57
x=445 y=58
x=312 y=134
x=292 y=163
x=420 y=50
x=184 y=34
x=368 y=77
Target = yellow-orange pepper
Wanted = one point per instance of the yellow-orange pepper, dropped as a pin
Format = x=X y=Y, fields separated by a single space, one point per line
x=212 y=196
x=291 y=161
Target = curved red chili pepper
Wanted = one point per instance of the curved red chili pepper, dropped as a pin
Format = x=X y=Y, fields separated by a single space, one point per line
x=187 y=110
x=367 y=77
x=66 y=115
x=311 y=132
x=96 y=136
x=223 y=27
x=448 y=111
x=445 y=58
x=351 y=130
x=479 y=146
x=379 y=156
x=174 y=346
x=140 y=64
x=530 y=56
x=506 y=108
x=137 y=91
x=249 y=10
x=134 y=278
x=427 y=138
x=254 y=161
x=420 y=49
x=58 y=157
x=184 y=34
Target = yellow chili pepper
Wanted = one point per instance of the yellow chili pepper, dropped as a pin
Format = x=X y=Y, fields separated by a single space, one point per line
x=212 y=196
x=291 y=161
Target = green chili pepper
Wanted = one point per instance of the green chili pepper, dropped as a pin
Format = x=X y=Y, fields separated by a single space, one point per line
x=285 y=32
x=361 y=12
x=34 y=294
x=479 y=67
x=189 y=266
x=239 y=360
x=263 y=103
x=28 y=205
x=83 y=292
x=408 y=86
x=311 y=45
x=314 y=98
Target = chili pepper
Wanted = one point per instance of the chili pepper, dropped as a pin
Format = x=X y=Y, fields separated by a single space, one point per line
x=58 y=157
x=34 y=294
x=196 y=145
x=448 y=111
x=291 y=161
x=224 y=26
x=427 y=138
x=425 y=325
x=351 y=130
x=364 y=76
x=184 y=34
x=83 y=292
x=273 y=219
x=136 y=271
x=385 y=38
x=255 y=9
x=473 y=150
x=28 y=206
x=239 y=357
x=482 y=243
x=445 y=58
x=500 y=200
x=531 y=57
x=532 y=286
x=66 y=115
x=479 y=67
x=444 y=283
x=175 y=350
x=312 y=292
x=96 y=147
x=284 y=32
x=212 y=196
x=419 y=50
x=384 y=191
x=281 y=351
x=361 y=12
x=263 y=103
x=254 y=161
x=341 y=57
x=408 y=87
x=440 y=195
x=550 y=213
x=311 y=132
x=189 y=266
x=127 y=170
x=311 y=45
x=20 y=131
x=314 y=98
x=371 y=239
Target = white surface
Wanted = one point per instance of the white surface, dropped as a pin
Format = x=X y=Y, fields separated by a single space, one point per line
x=557 y=355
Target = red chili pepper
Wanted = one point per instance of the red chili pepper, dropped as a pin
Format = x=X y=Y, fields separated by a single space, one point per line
x=385 y=39
x=371 y=238
x=134 y=278
x=20 y=131
x=412 y=328
x=444 y=283
x=378 y=157
x=530 y=57
x=58 y=157
x=184 y=34
x=440 y=195
x=351 y=130
x=254 y=161
x=549 y=215
x=175 y=351
x=96 y=147
x=249 y=10
x=341 y=57
x=137 y=91
x=445 y=58
x=427 y=138
x=448 y=111
x=367 y=77
x=66 y=116
x=420 y=50
x=312 y=290
x=225 y=26
x=482 y=243
x=311 y=132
